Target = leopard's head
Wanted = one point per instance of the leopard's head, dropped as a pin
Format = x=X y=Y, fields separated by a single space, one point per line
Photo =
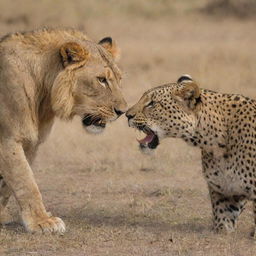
x=165 y=111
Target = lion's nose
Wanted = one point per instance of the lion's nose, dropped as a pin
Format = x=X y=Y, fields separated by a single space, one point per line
x=118 y=112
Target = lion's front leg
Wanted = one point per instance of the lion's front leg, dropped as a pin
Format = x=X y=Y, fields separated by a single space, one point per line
x=5 y=194
x=19 y=177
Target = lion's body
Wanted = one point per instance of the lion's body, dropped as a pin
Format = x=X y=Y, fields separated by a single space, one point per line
x=43 y=74
x=223 y=126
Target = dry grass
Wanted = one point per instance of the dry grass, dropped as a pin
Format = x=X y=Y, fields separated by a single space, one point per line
x=237 y=8
x=114 y=200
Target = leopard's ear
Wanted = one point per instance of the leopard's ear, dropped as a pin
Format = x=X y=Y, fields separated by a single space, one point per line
x=183 y=78
x=74 y=54
x=110 y=45
x=189 y=94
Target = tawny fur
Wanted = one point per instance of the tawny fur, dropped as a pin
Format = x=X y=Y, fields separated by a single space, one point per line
x=45 y=74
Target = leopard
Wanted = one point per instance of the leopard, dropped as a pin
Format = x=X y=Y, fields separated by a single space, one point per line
x=221 y=125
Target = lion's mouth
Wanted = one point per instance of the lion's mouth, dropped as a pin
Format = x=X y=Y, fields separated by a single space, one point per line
x=150 y=141
x=89 y=120
x=93 y=124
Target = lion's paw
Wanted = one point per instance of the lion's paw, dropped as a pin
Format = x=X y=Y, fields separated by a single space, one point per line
x=47 y=225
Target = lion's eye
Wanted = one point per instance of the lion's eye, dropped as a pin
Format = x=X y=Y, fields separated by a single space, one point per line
x=103 y=81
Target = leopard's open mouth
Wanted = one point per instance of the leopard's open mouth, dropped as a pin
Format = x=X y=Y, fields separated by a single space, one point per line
x=150 y=141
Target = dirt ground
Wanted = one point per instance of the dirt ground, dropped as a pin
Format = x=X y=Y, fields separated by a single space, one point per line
x=114 y=200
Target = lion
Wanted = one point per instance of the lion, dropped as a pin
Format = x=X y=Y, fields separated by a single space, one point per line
x=45 y=74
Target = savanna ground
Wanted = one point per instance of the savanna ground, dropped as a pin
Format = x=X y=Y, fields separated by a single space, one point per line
x=113 y=199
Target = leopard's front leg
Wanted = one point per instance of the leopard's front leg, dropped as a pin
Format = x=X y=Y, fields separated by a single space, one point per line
x=254 y=213
x=226 y=211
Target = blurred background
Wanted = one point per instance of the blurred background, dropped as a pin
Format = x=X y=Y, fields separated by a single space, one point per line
x=114 y=200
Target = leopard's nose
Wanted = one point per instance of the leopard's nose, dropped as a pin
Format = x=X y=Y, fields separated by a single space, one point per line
x=129 y=116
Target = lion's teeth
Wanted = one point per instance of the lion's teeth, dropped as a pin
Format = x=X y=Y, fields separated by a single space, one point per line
x=140 y=135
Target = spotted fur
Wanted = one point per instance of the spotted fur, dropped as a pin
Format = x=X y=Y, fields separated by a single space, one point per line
x=222 y=125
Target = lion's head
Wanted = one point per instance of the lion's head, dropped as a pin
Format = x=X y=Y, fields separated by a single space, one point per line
x=165 y=111
x=88 y=83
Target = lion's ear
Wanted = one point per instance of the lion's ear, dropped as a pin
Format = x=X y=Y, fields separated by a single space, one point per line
x=73 y=53
x=111 y=46
x=189 y=94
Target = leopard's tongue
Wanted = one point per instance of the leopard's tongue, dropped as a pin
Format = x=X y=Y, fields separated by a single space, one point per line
x=147 y=139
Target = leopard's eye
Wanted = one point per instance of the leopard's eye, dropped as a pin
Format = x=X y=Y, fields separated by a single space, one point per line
x=103 y=81
x=151 y=103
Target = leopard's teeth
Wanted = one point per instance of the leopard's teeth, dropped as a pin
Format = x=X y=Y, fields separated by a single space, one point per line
x=139 y=135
